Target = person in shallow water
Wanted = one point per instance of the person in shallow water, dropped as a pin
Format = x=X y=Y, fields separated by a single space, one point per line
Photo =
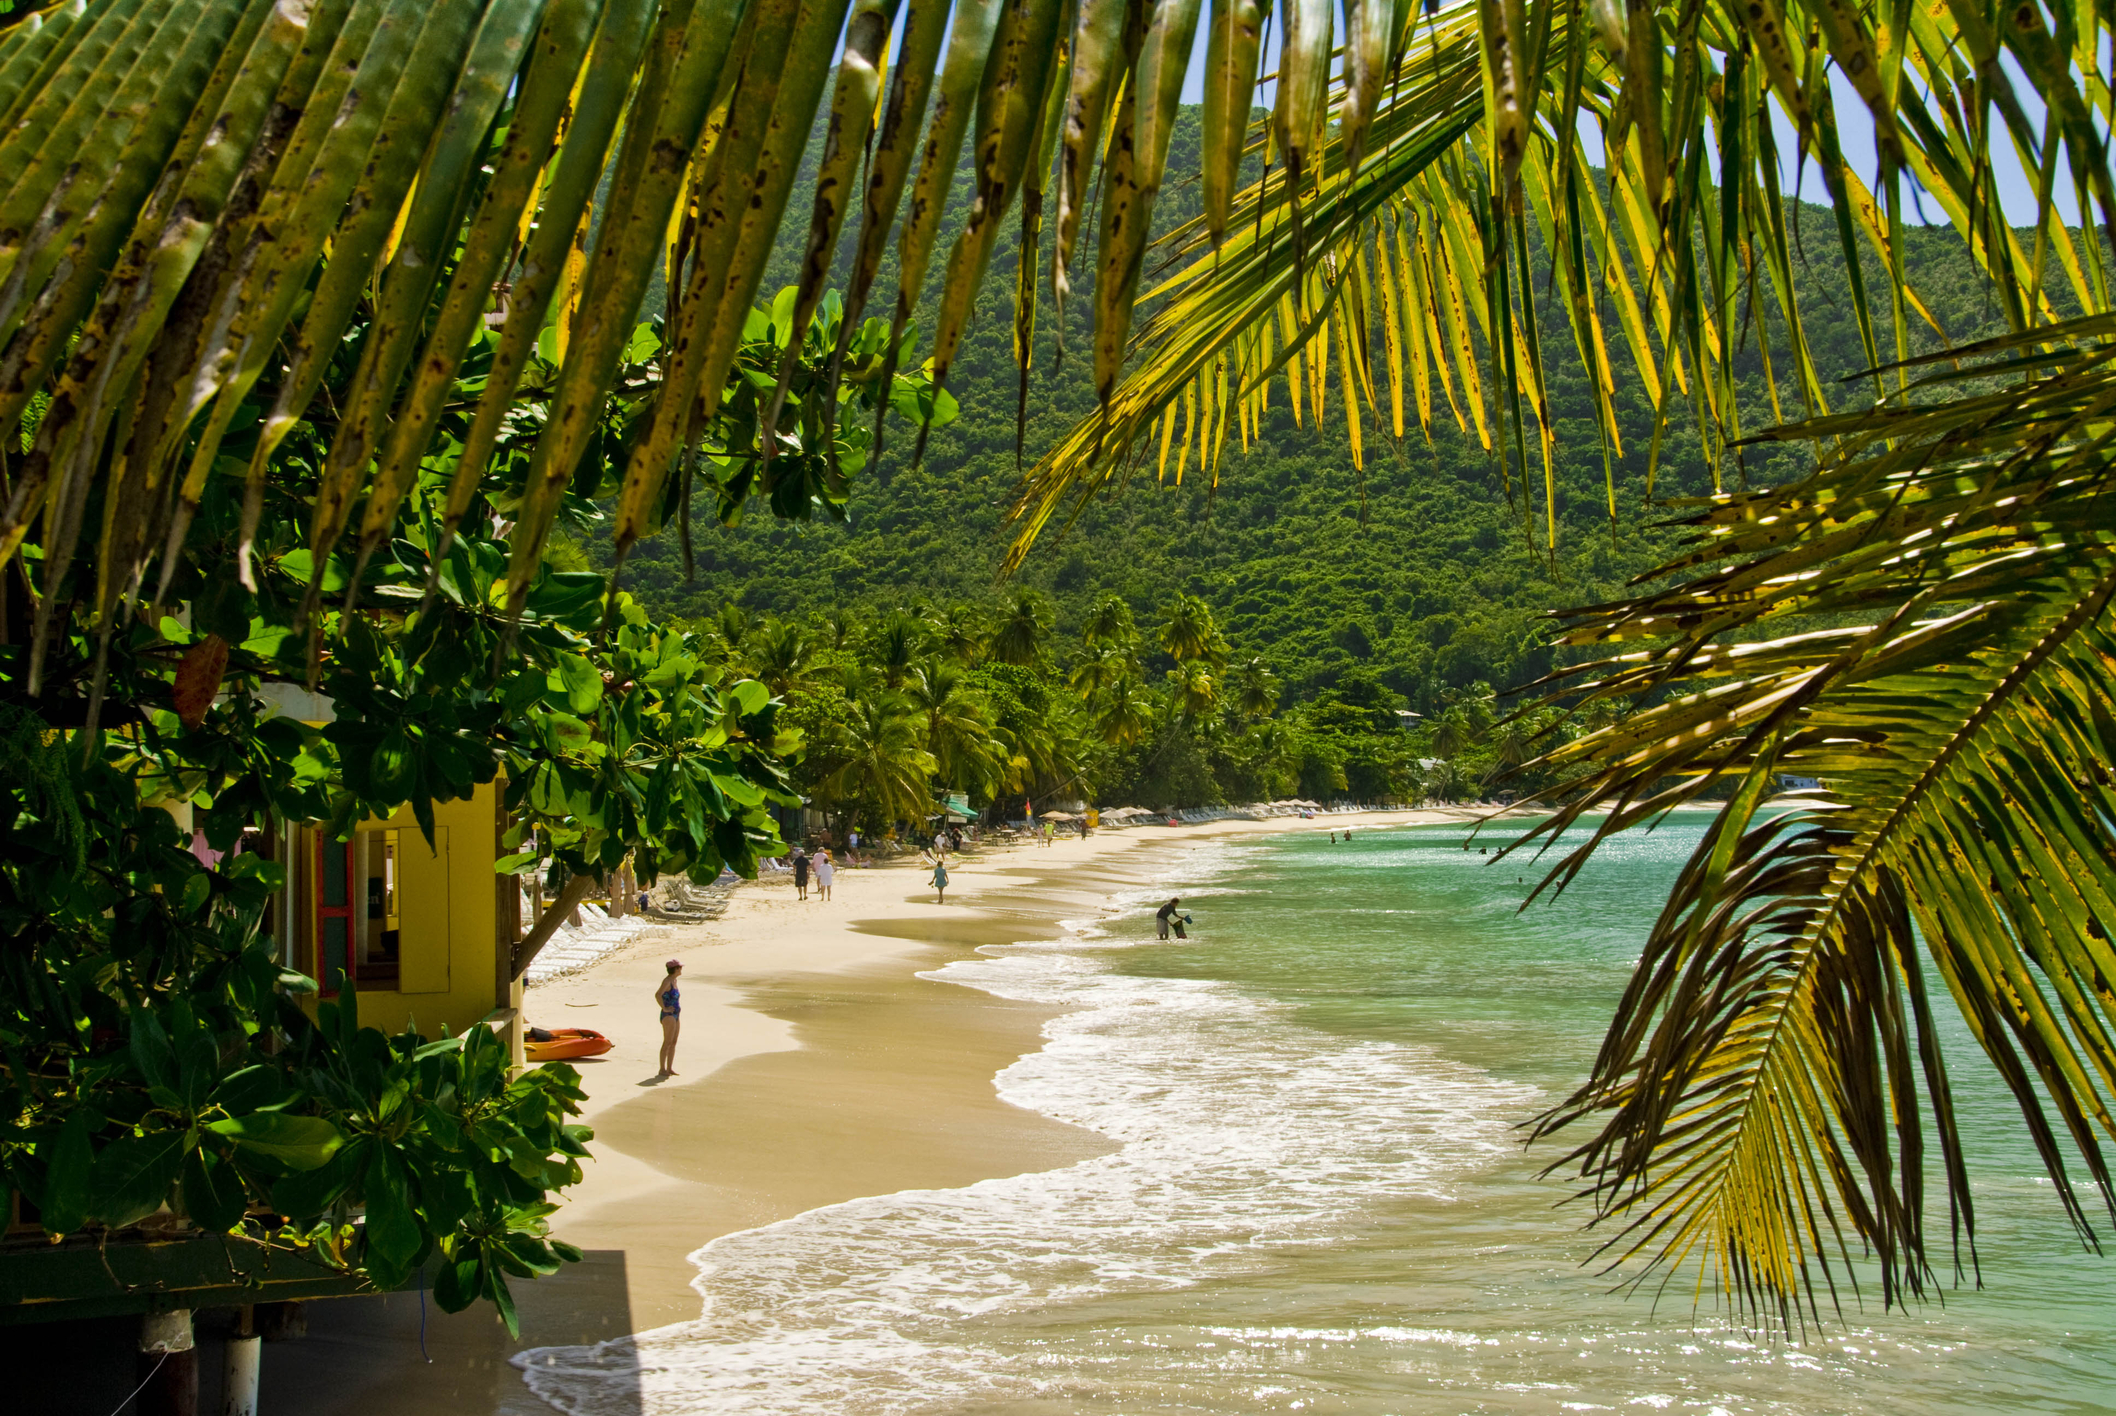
x=939 y=882
x=671 y=1002
x=1166 y=918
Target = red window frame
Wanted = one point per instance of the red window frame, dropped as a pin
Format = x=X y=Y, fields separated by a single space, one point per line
x=328 y=853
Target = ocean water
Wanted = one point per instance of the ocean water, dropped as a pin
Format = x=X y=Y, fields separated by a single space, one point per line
x=1320 y=1201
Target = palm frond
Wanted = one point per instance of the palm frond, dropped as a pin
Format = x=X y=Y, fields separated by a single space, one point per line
x=1762 y=1099
x=1660 y=257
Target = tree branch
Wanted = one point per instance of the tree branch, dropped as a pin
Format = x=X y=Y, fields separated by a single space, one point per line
x=576 y=889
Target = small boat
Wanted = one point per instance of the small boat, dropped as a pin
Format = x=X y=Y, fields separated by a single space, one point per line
x=561 y=1044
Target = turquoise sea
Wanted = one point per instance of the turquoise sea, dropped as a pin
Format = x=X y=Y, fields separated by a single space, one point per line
x=1320 y=1202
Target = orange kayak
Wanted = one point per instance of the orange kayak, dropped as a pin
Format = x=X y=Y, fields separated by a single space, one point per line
x=559 y=1044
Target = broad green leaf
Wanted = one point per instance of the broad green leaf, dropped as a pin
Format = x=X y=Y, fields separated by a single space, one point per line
x=298 y=1142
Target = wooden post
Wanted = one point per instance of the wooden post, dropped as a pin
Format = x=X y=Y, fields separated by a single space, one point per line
x=168 y=1365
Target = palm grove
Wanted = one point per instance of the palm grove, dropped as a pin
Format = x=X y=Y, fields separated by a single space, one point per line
x=886 y=714
x=317 y=318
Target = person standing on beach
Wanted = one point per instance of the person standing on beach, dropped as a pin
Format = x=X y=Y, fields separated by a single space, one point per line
x=1166 y=918
x=939 y=882
x=800 y=873
x=825 y=869
x=670 y=999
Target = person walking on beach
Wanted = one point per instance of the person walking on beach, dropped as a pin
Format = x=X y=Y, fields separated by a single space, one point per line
x=800 y=873
x=939 y=882
x=825 y=869
x=670 y=1000
x=1166 y=918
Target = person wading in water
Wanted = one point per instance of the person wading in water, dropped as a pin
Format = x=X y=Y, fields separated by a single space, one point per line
x=1166 y=918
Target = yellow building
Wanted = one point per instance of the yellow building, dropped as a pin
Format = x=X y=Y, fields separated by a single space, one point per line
x=425 y=933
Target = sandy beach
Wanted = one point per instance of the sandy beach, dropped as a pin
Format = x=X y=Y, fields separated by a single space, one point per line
x=814 y=1067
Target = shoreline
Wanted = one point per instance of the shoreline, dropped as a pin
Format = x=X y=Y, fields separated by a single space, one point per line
x=815 y=1067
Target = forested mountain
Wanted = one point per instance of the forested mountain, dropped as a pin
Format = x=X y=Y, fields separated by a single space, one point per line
x=1417 y=566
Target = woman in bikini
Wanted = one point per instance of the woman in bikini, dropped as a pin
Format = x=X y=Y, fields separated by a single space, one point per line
x=671 y=1002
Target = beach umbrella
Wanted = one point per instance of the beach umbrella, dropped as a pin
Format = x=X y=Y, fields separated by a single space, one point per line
x=1058 y=816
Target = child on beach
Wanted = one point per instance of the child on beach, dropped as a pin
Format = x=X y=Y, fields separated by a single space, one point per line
x=670 y=1000
x=939 y=882
x=825 y=868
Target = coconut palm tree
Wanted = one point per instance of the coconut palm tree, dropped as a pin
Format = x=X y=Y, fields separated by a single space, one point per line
x=959 y=633
x=1444 y=781
x=782 y=656
x=883 y=768
x=1457 y=730
x=1024 y=630
x=897 y=644
x=959 y=731
x=731 y=630
x=1189 y=634
x=1268 y=751
x=838 y=623
x=1193 y=691
x=1122 y=713
x=1256 y=689
x=1098 y=668
x=1109 y=624
x=859 y=678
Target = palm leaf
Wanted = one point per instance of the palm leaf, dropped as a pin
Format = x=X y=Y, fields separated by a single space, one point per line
x=1760 y=1104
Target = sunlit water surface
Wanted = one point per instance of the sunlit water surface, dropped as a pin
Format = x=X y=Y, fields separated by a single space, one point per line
x=1321 y=1203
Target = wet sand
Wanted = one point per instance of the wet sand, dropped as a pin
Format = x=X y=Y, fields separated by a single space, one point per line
x=814 y=1067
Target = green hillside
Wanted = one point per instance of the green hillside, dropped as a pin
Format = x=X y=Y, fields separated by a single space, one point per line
x=1417 y=568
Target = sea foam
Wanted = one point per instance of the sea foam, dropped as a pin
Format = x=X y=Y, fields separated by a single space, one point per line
x=1239 y=1129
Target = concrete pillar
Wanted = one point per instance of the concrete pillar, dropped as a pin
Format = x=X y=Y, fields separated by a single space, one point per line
x=168 y=1365
x=239 y=1386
